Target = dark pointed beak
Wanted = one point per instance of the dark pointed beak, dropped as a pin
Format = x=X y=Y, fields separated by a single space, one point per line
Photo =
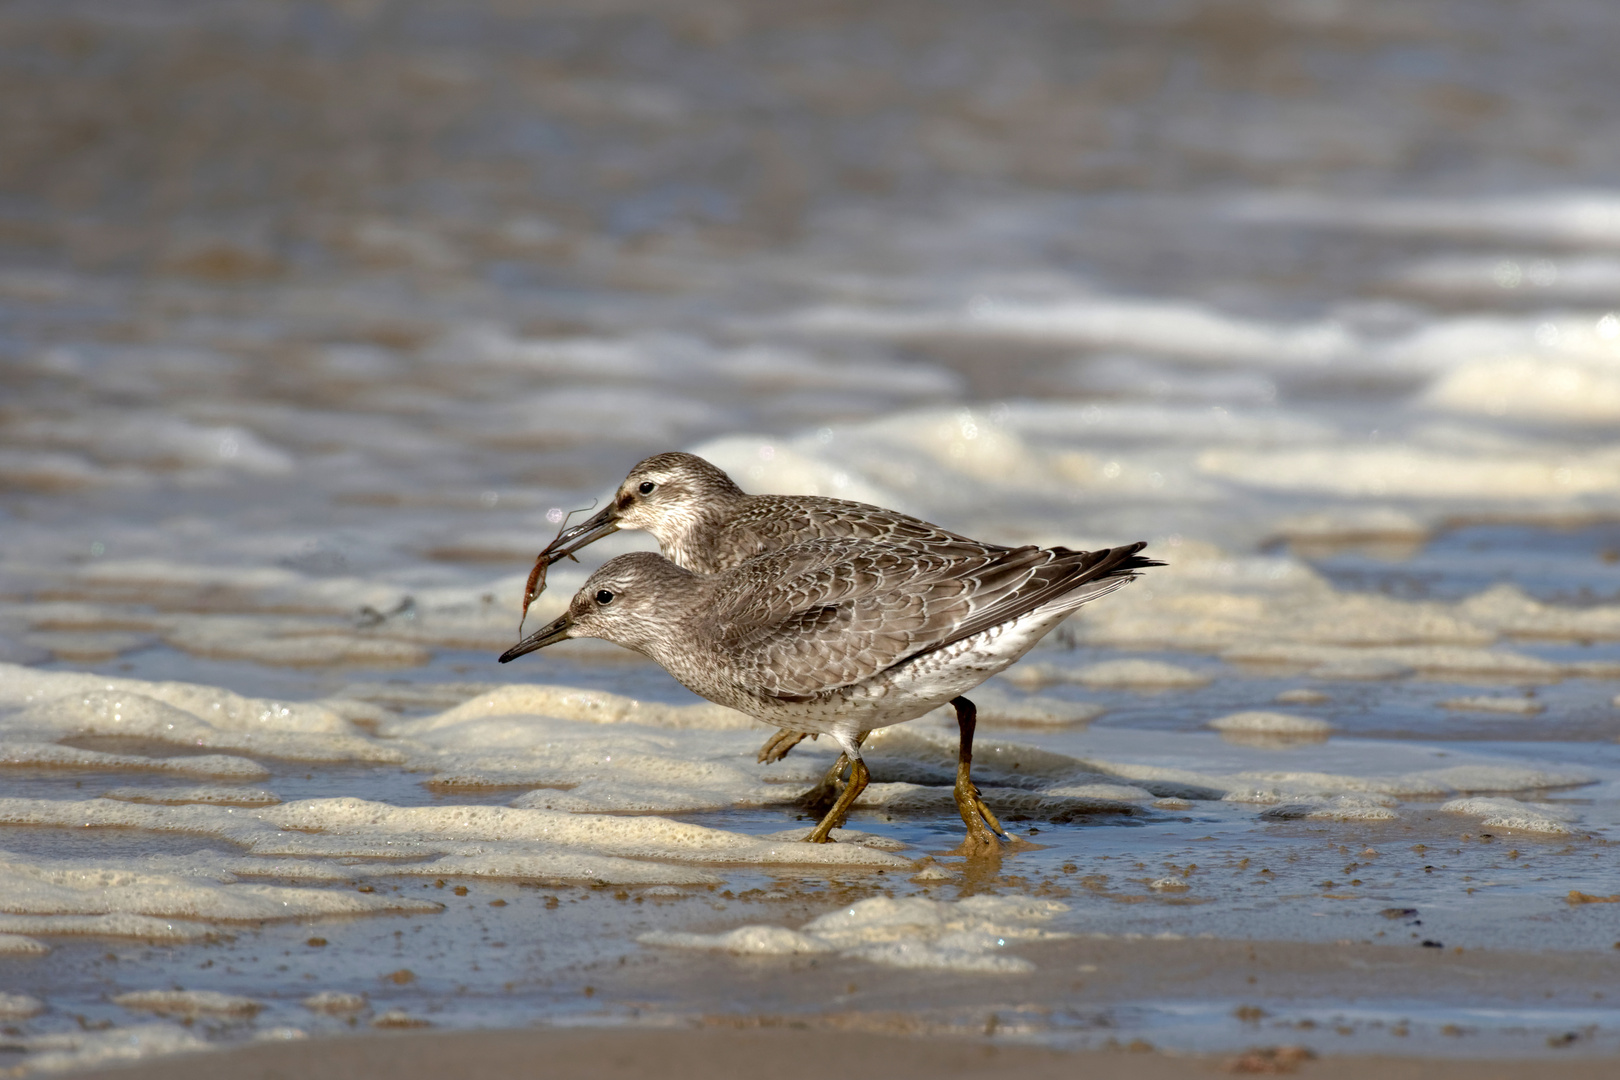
x=557 y=631
x=592 y=529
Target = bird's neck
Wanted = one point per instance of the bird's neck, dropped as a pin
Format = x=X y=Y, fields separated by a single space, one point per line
x=692 y=538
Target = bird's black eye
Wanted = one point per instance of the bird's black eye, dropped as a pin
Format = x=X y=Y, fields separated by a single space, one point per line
x=603 y=596
x=647 y=487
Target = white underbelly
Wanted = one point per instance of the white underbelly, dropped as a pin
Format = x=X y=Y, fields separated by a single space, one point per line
x=920 y=686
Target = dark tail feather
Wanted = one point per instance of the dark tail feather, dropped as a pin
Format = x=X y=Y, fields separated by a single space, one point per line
x=1110 y=562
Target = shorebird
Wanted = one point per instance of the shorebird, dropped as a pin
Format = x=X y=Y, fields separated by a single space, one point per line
x=843 y=636
x=706 y=523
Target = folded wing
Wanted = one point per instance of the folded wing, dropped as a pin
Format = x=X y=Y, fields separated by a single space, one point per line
x=826 y=614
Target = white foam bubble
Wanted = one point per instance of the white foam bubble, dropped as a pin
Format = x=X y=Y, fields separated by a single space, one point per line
x=336 y=1002
x=1502 y=813
x=1530 y=388
x=188 y=1003
x=967 y=935
x=743 y=941
x=1567 y=217
x=1100 y=792
x=570 y=703
x=1434 y=660
x=632 y=837
x=20 y=1006
x=64 y=1051
x=1419 y=472
x=67 y=705
x=1276 y=786
x=1492 y=703
x=1111 y=674
x=1508 y=610
x=50 y=756
x=1335 y=808
x=998 y=708
x=763 y=463
x=1272 y=723
x=20 y=945
x=1240 y=607
x=42 y=887
x=1354 y=523
x=554 y=866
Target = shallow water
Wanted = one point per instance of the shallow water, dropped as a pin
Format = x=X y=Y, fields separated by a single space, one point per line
x=315 y=321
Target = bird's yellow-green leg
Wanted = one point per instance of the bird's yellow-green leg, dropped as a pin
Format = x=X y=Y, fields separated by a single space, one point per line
x=982 y=826
x=819 y=798
x=858 y=779
x=777 y=746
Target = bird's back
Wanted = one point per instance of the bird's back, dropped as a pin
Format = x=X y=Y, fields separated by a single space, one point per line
x=761 y=524
x=812 y=618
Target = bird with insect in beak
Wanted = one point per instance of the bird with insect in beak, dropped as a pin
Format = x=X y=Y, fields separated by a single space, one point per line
x=841 y=636
x=704 y=522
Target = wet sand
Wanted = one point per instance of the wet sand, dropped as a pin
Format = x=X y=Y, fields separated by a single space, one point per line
x=787 y=1055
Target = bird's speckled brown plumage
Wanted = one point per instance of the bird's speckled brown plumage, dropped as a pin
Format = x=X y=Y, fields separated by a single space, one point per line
x=841 y=636
x=706 y=523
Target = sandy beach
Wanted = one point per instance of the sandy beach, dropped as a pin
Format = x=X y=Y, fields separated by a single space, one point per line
x=792 y=1054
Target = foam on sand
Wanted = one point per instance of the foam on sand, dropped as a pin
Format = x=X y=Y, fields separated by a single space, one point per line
x=629 y=837
x=1531 y=388
x=336 y=1002
x=188 y=1003
x=49 y=756
x=75 y=1050
x=42 y=887
x=569 y=703
x=1278 y=725
x=362 y=829
x=21 y=945
x=1506 y=609
x=1499 y=813
x=651 y=758
x=1489 y=703
x=51 y=706
x=1335 y=808
x=20 y=1006
x=1418 y=472
x=1563 y=217
x=963 y=935
x=998 y=708
x=1110 y=675
x=1438 y=661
